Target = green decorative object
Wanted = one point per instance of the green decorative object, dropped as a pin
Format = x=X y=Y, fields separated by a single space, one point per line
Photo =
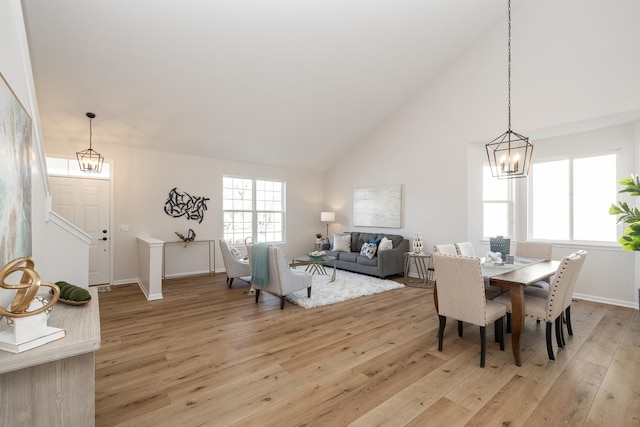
x=72 y=294
x=630 y=240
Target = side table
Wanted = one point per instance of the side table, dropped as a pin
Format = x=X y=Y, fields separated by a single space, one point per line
x=424 y=268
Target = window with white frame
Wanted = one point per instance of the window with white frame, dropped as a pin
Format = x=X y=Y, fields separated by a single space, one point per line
x=569 y=199
x=253 y=208
x=497 y=205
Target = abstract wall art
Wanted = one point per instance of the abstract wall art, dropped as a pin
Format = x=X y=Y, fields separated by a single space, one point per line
x=378 y=206
x=15 y=176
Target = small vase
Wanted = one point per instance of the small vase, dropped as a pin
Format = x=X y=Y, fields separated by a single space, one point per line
x=417 y=243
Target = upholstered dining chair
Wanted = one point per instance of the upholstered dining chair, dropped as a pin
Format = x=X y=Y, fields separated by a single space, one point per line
x=464 y=249
x=534 y=250
x=544 y=294
x=461 y=296
x=568 y=298
x=550 y=309
x=234 y=265
x=271 y=273
x=446 y=249
x=538 y=250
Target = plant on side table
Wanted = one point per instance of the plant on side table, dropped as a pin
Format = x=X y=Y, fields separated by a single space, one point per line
x=630 y=240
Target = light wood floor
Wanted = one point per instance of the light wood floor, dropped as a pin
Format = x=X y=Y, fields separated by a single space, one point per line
x=208 y=355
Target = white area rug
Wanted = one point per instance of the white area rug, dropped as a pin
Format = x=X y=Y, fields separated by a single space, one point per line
x=347 y=286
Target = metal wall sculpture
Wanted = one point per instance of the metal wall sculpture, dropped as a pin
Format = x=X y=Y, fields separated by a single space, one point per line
x=182 y=204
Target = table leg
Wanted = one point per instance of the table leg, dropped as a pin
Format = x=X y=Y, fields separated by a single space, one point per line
x=333 y=276
x=422 y=269
x=517 y=320
x=406 y=268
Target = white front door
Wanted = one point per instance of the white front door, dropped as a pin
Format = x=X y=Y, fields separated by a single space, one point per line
x=85 y=203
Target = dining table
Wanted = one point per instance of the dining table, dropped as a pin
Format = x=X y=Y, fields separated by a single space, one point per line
x=514 y=277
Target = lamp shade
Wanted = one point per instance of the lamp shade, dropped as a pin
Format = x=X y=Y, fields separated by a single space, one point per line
x=327 y=216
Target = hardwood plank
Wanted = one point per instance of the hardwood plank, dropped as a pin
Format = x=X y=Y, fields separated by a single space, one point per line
x=618 y=399
x=208 y=355
x=512 y=405
x=569 y=399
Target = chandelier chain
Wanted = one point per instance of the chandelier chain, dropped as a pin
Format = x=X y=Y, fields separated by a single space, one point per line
x=90 y=132
x=509 y=61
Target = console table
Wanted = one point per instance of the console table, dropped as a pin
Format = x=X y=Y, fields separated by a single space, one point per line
x=54 y=384
x=210 y=250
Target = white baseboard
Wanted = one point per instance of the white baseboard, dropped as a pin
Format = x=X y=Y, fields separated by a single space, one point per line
x=186 y=274
x=149 y=297
x=610 y=301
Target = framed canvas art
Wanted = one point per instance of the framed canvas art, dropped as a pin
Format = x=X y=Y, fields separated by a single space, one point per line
x=15 y=176
x=378 y=206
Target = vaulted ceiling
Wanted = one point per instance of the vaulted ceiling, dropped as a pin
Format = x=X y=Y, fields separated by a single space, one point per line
x=283 y=82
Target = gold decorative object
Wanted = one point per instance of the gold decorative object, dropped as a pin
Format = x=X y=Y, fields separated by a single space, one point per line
x=191 y=236
x=26 y=290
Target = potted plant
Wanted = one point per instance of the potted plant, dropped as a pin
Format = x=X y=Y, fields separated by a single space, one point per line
x=630 y=240
x=319 y=240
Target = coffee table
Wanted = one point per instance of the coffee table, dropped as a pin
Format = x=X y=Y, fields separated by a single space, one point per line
x=315 y=265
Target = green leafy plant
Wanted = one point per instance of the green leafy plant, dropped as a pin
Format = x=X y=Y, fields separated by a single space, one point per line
x=630 y=240
x=318 y=235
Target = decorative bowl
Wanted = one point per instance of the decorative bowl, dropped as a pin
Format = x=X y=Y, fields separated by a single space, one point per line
x=316 y=254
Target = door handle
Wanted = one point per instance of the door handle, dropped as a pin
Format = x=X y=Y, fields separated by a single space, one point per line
x=104 y=238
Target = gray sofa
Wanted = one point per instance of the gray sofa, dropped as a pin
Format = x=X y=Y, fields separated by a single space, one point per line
x=385 y=263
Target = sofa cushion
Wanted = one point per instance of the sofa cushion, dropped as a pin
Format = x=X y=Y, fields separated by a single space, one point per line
x=369 y=250
x=355 y=236
x=341 y=243
x=385 y=244
x=348 y=256
x=363 y=260
x=396 y=239
x=365 y=238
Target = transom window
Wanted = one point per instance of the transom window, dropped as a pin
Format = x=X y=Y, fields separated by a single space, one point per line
x=253 y=208
x=69 y=167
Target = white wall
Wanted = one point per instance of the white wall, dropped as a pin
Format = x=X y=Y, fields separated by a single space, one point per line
x=49 y=242
x=574 y=63
x=143 y=179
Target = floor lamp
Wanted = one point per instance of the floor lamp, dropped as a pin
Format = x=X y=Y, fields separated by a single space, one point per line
x=327 y=217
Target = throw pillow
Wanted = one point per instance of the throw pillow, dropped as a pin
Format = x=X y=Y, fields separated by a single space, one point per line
x=363 y=250
x=371 y=250
x=376 y=241
x=236 y=253
x=341 y=243
x=385 y=244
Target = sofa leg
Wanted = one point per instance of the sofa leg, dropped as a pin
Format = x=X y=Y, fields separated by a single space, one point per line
x=230 y=281
x=282 y=302
x=257 y=295
x=309 y=292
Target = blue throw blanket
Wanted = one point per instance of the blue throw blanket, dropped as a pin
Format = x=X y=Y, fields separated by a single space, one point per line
x=260 y=261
